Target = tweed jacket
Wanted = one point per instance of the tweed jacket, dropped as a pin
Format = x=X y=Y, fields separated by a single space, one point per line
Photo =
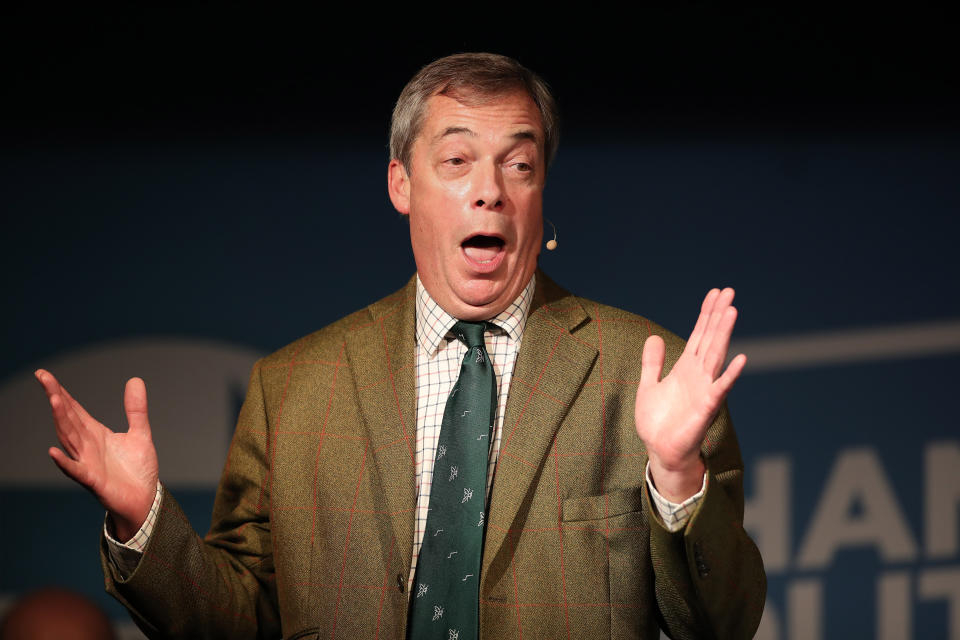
x=313 y=524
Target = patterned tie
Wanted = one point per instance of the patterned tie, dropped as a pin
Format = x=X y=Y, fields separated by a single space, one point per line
x=444 y=605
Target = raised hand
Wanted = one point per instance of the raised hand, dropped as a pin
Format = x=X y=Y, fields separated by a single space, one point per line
x=120 y=469
x=672 y=415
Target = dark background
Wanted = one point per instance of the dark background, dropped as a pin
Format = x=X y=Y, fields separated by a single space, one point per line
x=215 y=70
x=693 y=136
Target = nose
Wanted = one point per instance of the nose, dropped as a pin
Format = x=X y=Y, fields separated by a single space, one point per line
x=488 y=187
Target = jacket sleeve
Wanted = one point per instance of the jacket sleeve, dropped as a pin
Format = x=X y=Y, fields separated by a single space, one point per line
x=222 y=585
x=709 y=577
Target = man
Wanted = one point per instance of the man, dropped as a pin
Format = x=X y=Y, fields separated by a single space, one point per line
x=329 y=518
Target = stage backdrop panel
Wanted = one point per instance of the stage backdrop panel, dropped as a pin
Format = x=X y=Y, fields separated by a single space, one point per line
x=183 y=263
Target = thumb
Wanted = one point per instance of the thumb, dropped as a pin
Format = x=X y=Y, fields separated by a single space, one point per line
x=651 y=362
x=135 y=404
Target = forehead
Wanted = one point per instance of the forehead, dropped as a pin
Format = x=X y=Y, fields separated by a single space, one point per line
x=501 y=116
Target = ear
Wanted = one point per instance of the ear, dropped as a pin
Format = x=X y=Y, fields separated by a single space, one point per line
x=398 y=186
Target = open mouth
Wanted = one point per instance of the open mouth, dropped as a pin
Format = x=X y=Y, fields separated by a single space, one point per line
x=482 y=249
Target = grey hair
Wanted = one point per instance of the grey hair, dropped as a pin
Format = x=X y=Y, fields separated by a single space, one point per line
x=469 y=78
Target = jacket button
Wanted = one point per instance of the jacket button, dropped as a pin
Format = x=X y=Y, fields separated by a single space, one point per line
x=702 y=569
x=400 y=582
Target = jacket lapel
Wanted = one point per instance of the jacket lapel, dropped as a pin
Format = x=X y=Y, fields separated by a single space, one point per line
x=381 y=356
x=551 y=367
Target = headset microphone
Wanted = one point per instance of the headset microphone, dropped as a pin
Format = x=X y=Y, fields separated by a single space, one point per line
x=552 y=244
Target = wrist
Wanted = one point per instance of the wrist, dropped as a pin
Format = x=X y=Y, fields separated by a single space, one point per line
x=124 y=529
x=126 y=525
x=677 y=482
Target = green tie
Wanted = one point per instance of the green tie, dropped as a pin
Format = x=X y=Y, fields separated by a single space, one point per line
x=447 y=586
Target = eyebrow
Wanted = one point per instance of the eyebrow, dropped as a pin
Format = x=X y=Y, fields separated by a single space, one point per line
x=452 y=131
x=524 y=134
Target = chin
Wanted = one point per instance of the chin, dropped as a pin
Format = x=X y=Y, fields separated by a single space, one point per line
x=481 y=303
x=481 y=293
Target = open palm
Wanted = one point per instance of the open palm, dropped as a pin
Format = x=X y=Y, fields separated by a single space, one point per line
x=120 y=469
x=672 y=415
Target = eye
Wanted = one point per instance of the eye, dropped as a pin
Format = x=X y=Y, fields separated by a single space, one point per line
x=455 y=161
x=523 y=167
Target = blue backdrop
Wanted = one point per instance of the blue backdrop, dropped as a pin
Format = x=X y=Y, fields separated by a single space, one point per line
x=842 y=250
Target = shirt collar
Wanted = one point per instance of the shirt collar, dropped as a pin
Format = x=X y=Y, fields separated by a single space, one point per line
x=434 y=324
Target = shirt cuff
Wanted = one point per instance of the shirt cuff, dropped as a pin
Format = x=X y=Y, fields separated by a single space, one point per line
x=126 y=555
x=675 y=516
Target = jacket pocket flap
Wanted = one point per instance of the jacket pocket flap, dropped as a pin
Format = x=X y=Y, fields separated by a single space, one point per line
x=599 y=507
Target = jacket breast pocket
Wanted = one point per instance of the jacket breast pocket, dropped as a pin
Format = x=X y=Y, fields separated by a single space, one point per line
x=604 y=506
x=607 y=551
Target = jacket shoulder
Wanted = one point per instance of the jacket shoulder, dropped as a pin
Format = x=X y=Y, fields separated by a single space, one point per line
x=326 y=343
x=582 y=313
x=620 y=324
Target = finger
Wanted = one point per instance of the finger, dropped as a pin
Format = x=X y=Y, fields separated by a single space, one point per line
x=135 y=404
x=47 y=381
x=716 y=353
x=52 y=387
x=69 y=431
x=697 y=334
x=651 y=362
x=724 y=383
x=73 y=424
x=723 y=302
x=85 y=417
x=70 y=467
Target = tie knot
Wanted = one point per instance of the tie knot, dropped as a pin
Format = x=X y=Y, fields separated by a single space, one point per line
x=470 y=333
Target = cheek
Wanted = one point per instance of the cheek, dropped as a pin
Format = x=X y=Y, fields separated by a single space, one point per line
x=433 y=188
x=534 y=239
x=429 y=232
x=533 y=217
x=436 y=207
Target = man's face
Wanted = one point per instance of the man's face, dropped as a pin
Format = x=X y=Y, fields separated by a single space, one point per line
x=475 y=198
